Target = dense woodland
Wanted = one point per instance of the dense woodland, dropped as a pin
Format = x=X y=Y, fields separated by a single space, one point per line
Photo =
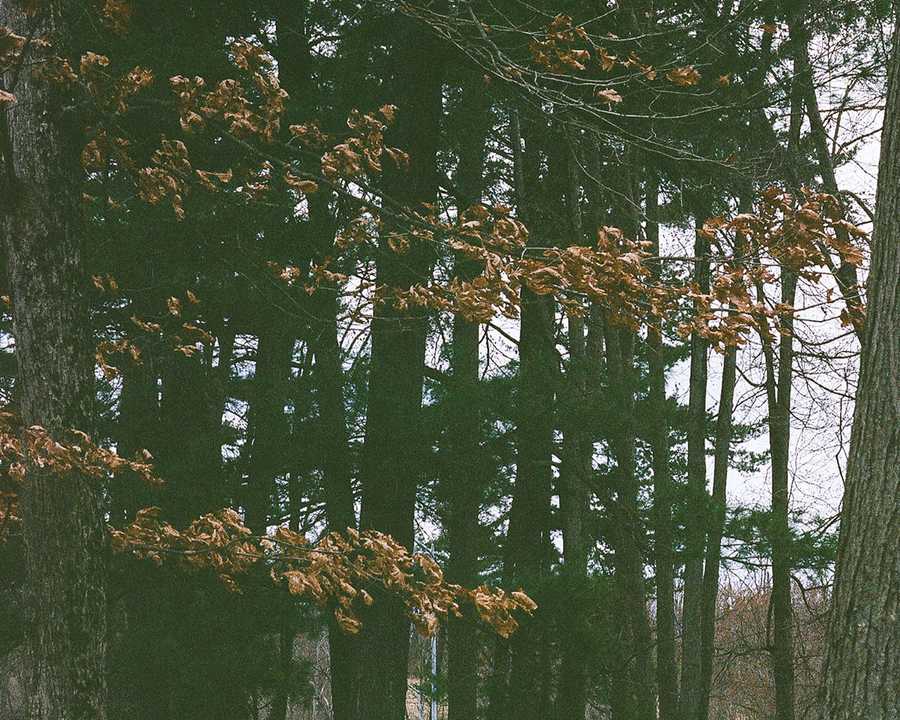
x=458 y=359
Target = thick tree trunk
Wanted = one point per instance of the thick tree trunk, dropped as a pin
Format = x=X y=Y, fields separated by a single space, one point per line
x=64 y=530
x=862 y=668
x=697 y=496
x=666 y=664
x=394 y=446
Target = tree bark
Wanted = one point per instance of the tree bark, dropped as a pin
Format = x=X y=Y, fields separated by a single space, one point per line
x=845 y=273
x=862 y=666
x=267 y=426
x=717 y=513
x=666 y=664
x=778 y=393
x=64 y=529
x=632 y=695
x=297 y=76
x=575 y=483
x=527 y=550
x=465 y=478
x=697 y=500
x=394 y=445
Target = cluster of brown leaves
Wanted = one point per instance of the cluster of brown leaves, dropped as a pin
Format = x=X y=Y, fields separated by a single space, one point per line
x=363 y=149
x=344 y=572
x=613 y=273
x=22 y=448
x=567 y=48
x=796 y=233
x=229 y=102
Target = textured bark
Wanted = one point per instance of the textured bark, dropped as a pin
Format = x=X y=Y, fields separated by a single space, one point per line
x=64 y=530
x=394 y=445
x=697 y=496
x=666 y=664
x=862 y=668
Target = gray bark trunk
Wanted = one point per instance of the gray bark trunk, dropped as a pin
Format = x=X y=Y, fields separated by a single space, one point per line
x=65 y=536
x=862 y=668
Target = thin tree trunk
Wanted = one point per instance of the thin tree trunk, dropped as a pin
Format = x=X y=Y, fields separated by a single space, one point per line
x=845 y=273
x=298 y=78
x=528 y=539
x=574 y=480
x=633 y=692
x=697 y=498
x=717 y=512
x=64 y=529
x=465 y=479
x=862 y=666
x=778 y=393
x=137 y=424
x=666 y=664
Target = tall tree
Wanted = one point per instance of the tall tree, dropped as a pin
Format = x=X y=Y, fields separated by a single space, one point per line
x=527 y=544
x=575 y=477
x=463 y=483
x=394 y=443
x=43 y=234
x=696 y=490
x=664 y=555
x=862 y=667
x=716 y=518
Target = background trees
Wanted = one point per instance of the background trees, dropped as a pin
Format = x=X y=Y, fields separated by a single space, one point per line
x=374 y=267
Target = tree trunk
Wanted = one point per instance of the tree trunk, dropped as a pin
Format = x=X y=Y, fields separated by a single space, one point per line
x=666 y=664
x=632 y=693
x=696 y=495
x=862 y=667
x=394 y=446
x=527 y=550
x=465 y=479
x=574 y=494
x=138 y=422
x=190 y=452
x=717 y=513
x=64 y=529
x=298 y=78
x=845 y=273
x=267 y=427
x=778 y=390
